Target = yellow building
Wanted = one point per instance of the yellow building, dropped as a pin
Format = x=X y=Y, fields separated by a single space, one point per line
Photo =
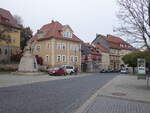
x=7 y=48
x=57 y=45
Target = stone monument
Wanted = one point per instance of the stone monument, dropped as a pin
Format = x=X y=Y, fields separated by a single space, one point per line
x=28 y=61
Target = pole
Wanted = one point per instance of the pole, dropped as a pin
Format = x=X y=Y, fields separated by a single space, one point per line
x=149 y=11
x=147 y=85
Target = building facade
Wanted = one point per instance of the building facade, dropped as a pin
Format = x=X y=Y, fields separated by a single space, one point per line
x=105 y=58
x=91 y=58
x=57 y=45
x=116 y=47
x=8 y=48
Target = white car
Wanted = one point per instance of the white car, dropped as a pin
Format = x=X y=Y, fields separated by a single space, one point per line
x=124 y=71
x=69 y=69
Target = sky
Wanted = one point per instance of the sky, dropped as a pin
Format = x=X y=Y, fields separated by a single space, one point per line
x=86 y=17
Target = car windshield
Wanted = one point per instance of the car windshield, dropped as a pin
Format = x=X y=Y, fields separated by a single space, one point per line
x=69 y=67
x=56 y=68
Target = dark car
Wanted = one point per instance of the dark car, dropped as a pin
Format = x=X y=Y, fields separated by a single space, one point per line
x=58 y=71
x=104 y=71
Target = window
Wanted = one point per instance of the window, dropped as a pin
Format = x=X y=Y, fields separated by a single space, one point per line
x=58 y=46
x=75 y=59
x=46 y=58
x=0 y=51
x=13 y=40
x=58 y=58
x=63 y=47
x=38 y=47
x=63 y=58
x=6 y=51
x=71 y=58
x=67 y=34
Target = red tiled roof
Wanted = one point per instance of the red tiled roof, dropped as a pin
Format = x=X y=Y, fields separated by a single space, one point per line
x=7 y=15
x=114 y=45
x=53 y=29
x=101 y=47
x=116 y=42
x=92 y=49
x=114 y=39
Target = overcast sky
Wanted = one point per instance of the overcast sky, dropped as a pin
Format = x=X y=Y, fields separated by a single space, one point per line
x=85 y=17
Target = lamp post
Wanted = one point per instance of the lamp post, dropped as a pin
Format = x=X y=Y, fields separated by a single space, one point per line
x=149 y=11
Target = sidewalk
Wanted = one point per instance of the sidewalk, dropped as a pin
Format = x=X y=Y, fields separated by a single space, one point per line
x=7 y=80
x=124 y=94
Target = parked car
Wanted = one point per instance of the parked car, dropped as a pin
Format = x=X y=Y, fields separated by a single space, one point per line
x=124 y=71
x=57 y=71
x=104 y=71
x=69 y=69
x=116 y=71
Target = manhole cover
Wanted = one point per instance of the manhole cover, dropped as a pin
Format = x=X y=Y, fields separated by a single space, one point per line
x=119 y=94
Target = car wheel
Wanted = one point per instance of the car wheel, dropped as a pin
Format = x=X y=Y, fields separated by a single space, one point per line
x=71 y=73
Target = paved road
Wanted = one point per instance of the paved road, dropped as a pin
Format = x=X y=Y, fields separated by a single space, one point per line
x=58 y=96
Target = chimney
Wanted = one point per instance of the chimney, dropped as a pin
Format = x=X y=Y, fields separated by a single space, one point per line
x=52 y=21
x=97 y=34
x=38 y=31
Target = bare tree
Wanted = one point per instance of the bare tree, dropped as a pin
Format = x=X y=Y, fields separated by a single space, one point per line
x=134 y=17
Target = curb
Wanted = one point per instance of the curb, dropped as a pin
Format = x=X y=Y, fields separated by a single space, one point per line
x=86 y=106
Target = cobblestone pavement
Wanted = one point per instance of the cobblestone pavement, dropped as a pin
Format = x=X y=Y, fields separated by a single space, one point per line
x=104 y=104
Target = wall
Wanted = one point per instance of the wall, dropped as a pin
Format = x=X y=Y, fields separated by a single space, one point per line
x=53 y=52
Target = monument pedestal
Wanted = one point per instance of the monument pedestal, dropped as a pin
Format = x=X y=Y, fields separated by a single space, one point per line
x=28 y=63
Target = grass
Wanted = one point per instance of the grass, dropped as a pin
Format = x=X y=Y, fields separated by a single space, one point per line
x=136 y=74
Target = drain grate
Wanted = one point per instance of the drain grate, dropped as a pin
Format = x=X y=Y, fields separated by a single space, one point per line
x=119 y=94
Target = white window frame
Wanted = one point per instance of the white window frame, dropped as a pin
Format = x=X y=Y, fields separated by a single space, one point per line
x=67 y=34
x=38 y=49
x=75 y=58
x=58 y=46
x=57 y=58
x=46 y=58
x=64 y=58
x=72 y=58
x=63 y=46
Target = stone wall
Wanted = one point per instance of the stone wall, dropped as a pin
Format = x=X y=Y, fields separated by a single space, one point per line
x=8 y=67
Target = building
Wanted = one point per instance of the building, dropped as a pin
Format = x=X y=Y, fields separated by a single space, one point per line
x=105 y=60
x=7 y=48
x=57 y=45
x=117 y=48
x=91 y=58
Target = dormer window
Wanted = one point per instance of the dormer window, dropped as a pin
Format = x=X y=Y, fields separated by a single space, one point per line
x=40 y=34
x=67 y=34
x=67 y=31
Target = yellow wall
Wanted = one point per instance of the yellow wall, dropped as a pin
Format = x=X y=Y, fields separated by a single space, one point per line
x=53 y=51
x=15 y=38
